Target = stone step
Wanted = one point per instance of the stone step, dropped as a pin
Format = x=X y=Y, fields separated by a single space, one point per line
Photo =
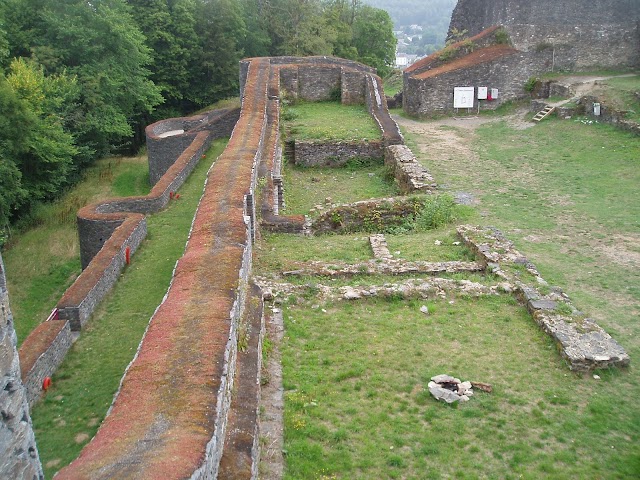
x=240 y=455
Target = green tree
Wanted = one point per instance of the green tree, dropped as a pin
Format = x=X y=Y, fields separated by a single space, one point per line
x=15 y=124
x=99 y=43
x=169 y=29
x=46 y=155
x=374 y=39
x=222 y=31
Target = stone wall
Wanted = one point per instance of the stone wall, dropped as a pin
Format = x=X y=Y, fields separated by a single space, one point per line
x=96 y=221
x=163 y=151
x=42 y=353
x=18 y=453
x=367 y=215
x=96 y=281
x=334 y=154
x=427 y=94
x=410 y=175
x=586 y=34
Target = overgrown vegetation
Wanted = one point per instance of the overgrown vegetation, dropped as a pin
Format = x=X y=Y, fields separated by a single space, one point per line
x=83 y=387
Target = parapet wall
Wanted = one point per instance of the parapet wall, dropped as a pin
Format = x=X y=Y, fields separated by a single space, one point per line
x=42 y=353
x=18 y=452
x=110 y=233
x=157 y=427
x=163 y=150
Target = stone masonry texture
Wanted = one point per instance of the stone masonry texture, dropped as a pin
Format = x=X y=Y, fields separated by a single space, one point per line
x=585 y=33
x=18 y=453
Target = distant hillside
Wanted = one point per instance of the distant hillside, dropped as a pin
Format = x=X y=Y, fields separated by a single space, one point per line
x=433 y=16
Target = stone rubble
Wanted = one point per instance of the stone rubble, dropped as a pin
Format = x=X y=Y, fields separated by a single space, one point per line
x=583 y=343
x=450 y=389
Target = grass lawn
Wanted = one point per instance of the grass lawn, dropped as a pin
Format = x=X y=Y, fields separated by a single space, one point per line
x=43 y=261
x=83 y=387
x=329 y=121
x=622 y=94
x=355 y=376
x=357 y=404
x=306 y=187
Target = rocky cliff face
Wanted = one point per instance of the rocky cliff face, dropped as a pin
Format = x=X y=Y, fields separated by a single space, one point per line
x=18 y=453
x=584 y=34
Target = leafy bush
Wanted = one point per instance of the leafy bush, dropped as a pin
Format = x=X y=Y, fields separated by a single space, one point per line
x=436 y=211
x=502 y=37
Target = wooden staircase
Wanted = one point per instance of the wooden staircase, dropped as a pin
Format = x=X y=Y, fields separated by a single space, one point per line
x=544 y=113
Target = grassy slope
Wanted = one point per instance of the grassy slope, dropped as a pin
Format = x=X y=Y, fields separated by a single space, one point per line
x=43 y=261
x=84 y=386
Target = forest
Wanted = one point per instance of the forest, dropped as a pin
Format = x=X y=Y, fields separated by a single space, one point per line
x=81 y=79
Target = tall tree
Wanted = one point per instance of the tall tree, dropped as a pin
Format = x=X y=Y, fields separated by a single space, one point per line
x=222 y=31
x=169 y=29
x=15 y=124
x=100 y=44
x=374 y=39
x=46 y=156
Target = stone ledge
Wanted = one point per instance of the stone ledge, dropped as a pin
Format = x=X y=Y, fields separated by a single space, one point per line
x=411 y=176
x=583 y=343
x=388 y=266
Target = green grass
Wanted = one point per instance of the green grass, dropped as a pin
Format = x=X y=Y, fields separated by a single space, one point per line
x=83 y=387
x=308 y=187
x=278 y=251
x=622 y=94
x=42 y=259
x=393 y=83
x=357 y=407
x=329 y=121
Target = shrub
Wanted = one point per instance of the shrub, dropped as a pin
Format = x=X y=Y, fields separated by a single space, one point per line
x=437 y=211
x=502 y=37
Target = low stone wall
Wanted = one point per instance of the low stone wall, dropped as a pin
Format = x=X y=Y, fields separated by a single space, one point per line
x=96 y=281
x=334 y=154
x=96 y=221
x=367 y=215
x=607 y=114
x=18 y=452
x=41 y=354
x=410 y=175
x=584 y=344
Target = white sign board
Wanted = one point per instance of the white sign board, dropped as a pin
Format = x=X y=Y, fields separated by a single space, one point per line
x=494 y=93
x=482 y=93
x=463 y=97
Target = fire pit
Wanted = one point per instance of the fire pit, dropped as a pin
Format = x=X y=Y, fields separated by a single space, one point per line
x=449 y=389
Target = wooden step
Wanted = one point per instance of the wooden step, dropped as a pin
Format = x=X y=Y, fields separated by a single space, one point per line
x=544 y=113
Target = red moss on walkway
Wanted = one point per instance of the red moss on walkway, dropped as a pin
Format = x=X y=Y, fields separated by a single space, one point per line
x=166 y=412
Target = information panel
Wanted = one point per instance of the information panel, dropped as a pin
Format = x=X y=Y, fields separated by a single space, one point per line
x=482 y=93
x=463 y=97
